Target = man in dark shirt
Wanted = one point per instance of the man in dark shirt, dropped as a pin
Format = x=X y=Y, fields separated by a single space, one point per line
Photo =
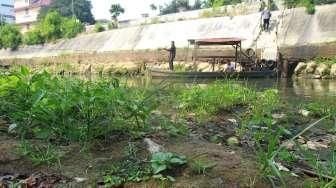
x=172 y=54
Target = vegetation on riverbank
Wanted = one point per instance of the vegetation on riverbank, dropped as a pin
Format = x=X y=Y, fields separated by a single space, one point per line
x=48 y=112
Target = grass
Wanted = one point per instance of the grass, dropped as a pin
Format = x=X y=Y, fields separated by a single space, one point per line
x=72 y=110
x=206 y=101
x=39 y=155
x=326 y=60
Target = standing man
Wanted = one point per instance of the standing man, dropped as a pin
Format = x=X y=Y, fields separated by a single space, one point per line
x=172 y=54
x=266 y=16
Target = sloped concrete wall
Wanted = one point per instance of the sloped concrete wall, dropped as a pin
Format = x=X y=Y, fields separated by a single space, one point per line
x=294 y=28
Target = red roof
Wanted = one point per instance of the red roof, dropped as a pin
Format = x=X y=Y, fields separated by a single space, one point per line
x=217 y=41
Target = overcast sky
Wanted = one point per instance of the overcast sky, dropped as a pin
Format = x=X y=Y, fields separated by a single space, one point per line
x=133 y=8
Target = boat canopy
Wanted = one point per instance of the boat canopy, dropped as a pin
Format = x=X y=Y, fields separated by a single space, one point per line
x=216 y=41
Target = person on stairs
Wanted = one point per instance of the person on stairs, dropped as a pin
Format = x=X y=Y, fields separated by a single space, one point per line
x=266 y=16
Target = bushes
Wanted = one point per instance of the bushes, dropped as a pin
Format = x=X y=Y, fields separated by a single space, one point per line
x=10 y=36
x=71 y=27
x=33 y=37
x=52 y=27
x=309 y=4
x=99 y=28
x=71 y=110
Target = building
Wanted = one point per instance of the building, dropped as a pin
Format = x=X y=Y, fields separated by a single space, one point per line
x=7 y=11
x=26 y=12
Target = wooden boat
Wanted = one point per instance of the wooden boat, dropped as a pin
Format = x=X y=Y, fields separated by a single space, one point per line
x=155 y=73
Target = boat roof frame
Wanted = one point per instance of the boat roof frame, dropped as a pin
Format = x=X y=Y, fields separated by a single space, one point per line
x=215 y=41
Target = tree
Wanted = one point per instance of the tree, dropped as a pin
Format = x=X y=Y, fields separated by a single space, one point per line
x=81 y=8
x=153 y=7
x=10 y=36
x=116 y=10
x=198 y=5
x=33 y=37
x=71 y=27
x=175 y=5
x=50 y=26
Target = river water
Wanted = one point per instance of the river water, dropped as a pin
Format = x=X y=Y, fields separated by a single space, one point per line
x=289 y=89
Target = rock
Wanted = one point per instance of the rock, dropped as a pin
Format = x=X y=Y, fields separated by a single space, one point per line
x=232 y=141
x=279 y=116
x=204 y=67
x=288 y=145
x=333 y=71
x=300 y=68
x=152 y=147
x=315 y=145
x=301 y=140
x=311 y=66
x=281 y=167
x=80 y=180
x=304 y=112
x=86 y=69
x=11 y=128
x=322 y=70
x=233 y=121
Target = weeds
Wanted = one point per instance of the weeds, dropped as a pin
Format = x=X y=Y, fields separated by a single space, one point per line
x=201 y=165
x=40 y=154
x=68 y=109
x=206 y=101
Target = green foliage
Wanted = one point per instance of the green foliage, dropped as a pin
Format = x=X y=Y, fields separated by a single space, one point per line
x=201 y=165
x=205 y=101
x=71 y=27
x=50 y=26
x=69 y=109
x=99 y=28
x=40 y=154
x=82 y=10
x=174 y=6
x=129 y=169
x=309 y=4
x=116 y=10
x=162 y=161
x=326 y=60
x=10 y=36
x=321 y=108
x=33 y=37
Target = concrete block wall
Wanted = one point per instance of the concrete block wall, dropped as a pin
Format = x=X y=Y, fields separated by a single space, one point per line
x=294 y=28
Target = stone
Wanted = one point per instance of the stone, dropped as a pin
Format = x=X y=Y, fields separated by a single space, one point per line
x=333 y=71
x=232 y=141
x=322 y=70
x=279 y=116
x=11 y=128
x=234 y=121
x=204 y=67
x=315 y=145
x=304 y=112
x=300 y=68
x=80 y=180
x=311 y=66
x=289 y=145
x=152 y=147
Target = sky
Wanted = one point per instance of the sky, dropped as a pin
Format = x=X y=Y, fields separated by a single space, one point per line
x=133 y=8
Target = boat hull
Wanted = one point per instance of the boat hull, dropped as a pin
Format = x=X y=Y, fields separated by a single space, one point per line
x=230 y=75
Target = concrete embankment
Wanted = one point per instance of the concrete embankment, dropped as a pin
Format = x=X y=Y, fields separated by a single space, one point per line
x=293 y=31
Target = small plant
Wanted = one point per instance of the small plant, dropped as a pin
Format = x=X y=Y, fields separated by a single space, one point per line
x=40 y=154
x=201 y=165
x=163 y=161
x=10 y=37
x=99 y=28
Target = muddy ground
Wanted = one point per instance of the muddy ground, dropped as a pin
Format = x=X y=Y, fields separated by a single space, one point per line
x=236 y=166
